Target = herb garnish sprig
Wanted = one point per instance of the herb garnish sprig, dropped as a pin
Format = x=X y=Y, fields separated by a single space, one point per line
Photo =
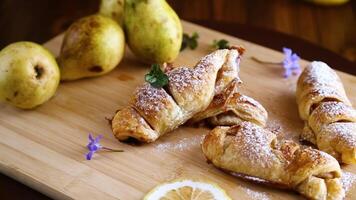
x=156 y=77
x=190 y=41
x=220 y=44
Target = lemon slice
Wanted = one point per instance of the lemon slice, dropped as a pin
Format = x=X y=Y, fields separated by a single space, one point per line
x=187 y=190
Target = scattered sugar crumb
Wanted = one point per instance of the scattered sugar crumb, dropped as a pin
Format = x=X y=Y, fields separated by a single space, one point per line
x=274 y=126
x=180 y=145
x=347 y=180
x=283 y=130
x=255 y=194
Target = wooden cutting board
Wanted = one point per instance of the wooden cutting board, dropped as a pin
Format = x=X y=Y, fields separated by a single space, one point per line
x=44 y=148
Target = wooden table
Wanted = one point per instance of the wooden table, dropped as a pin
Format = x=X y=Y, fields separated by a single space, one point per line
x=11 y=189
x=331 y=27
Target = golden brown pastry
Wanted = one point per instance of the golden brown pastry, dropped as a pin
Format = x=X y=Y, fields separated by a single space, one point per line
x=330 y=120
x=251 y=151
x=155 y=111
x=231 y=107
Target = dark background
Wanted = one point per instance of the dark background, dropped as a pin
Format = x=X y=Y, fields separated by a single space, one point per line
x=330 y=27
x=315 y=32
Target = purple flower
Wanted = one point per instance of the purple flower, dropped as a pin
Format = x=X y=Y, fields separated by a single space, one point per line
x=94 y=146
x=290 y=63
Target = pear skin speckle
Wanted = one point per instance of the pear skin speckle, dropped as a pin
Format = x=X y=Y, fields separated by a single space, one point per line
x=153 y=29
x=92 y=46
x=29 y=75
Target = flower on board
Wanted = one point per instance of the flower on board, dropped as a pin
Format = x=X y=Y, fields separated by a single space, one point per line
x=94 y=146
x=290 y=63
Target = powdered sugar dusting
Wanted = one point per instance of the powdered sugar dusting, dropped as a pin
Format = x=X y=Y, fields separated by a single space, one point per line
x=183 y=77
x=345 y=131
x=210 y=60
x=324 y=81
x=149 y=99
x=336 y=108
x=249 y=100
x=254 y=144
x=255 y=194
x=180 y=145
x=274 y=126
x=326 y=91
x=321 y=73
x=347 y=180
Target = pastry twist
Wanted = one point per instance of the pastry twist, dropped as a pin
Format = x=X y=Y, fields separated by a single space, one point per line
x=155 y=111
x=231 y=107
x=252 y=151
x=330 y=120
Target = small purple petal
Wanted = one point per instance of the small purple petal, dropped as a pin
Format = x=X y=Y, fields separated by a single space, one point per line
x=94 y=144
x=91 y=147
x=97 y=139
x=295 y=66
x=290 y=63
x=287 y=52
x=89 y=155
x=91 y=138
x=295 y=57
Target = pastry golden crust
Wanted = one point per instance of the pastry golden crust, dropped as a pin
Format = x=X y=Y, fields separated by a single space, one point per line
x=228 y=72
x=316 y=84
x=250 y=150
x=330 y=120
x=155 y=104
x=129 y=123
x=231 y=107
x=189 y=91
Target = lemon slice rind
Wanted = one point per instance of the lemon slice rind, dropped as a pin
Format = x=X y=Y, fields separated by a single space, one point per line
x=161 y=190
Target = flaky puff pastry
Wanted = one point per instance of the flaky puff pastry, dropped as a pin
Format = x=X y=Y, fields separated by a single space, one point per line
x=230 y=107
x=330 y=120
x=155 y=111
x=318 y=83
x=251 y=151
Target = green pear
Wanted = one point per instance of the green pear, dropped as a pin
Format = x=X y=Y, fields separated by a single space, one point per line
x=113 y=9
x=29 y=75
x=92 y=46
x=153 y=30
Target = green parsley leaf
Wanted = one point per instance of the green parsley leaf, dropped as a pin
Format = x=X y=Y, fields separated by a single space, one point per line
x=220 y=44
x=189 y=41
x=156 y=77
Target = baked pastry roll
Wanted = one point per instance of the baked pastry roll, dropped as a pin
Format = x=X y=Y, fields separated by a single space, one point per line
x=251 y=151
x=318 y=83
x=329 y=117
x=230 y=107
x=155 y=111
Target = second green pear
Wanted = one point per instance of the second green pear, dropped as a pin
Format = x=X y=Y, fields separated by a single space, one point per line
x=153 y=30
x=113 y=9
x=92 y=46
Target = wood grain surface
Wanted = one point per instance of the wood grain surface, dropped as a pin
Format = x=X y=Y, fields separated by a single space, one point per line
x=44 y=148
